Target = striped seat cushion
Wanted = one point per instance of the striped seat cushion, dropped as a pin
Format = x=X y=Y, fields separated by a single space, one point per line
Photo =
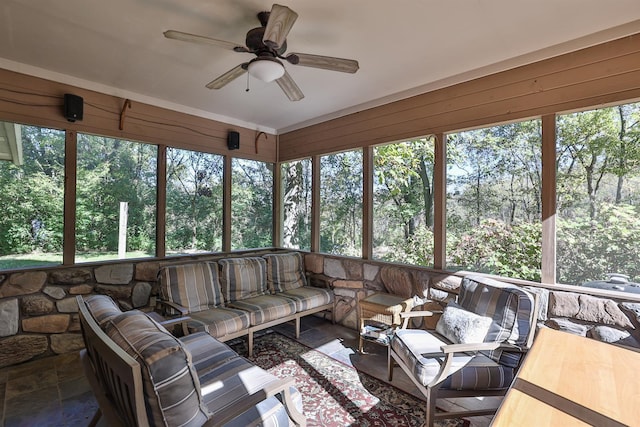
x=171 y=385
x=243 y=278
x=265 y=308
x=285 y=271
x=308 y=297
x=195 y=286
x=510 y=307
x=420 y=350
x=207 y=353
x=230 y=382
x=102 y=308
x=219 y=322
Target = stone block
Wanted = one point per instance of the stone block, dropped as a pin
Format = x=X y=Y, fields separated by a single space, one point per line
x=20 y=348
x=375 y=286
x=140 y=294
x=563 y=304
x=446 y=282
x=353 y=269
x=370 y=272
x=351 y=284
x=66 y=343
x=23 y=284
x=421 y=283
x=74 y=325
x=9 y=317
x=114 y=274
x=607 y=334
x=70 y=276
x=346 y=292
x=115 y=292
x=397 y=281
x=67 y=305
x=55 y=292
x=313 y=263
x=51 y=324
x=601 y=310
x=37 y=305
x=633 y=308
x=147 y=271
x=566 y=325
x=81 y=290
x=334 y=268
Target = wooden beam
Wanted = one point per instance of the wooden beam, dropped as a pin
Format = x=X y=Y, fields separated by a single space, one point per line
x=549 y=199
x=278 y=217
x=440 y=202
x=69 y=233
x=367 y=202
x=226 y=204
x=315 y=204
x=161 y=202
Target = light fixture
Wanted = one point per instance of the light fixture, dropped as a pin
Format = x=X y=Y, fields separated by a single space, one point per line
x=266 y=69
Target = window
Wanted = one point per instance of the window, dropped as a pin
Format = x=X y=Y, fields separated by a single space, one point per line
x=32 y=196
x=598 y=194
x=251 y=204
x=115 y=199
x=493 y=200
x=296 y=197
x=194 y=202
x=341 y=203
x=403 y=202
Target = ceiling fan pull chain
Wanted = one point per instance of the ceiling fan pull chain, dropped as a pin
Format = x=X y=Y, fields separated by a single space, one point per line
x=247 y=89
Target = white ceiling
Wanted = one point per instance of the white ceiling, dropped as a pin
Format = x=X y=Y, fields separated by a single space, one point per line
x=404 y=47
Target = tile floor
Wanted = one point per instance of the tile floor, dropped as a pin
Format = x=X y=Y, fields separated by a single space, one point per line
x=54 y=391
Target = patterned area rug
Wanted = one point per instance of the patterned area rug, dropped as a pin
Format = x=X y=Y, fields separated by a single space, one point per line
x=334 y=394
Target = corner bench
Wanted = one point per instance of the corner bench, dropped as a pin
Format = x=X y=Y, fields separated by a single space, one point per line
x=142 y=375
x=239 y=296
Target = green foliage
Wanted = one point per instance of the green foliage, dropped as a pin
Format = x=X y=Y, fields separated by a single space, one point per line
x=495 y=247
x=588 y=248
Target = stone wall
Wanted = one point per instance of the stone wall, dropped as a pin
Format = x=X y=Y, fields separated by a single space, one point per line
x=38 y=309
x=606 y=319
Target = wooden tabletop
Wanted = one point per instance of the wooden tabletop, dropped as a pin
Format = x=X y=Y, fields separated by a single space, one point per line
x=567 y=380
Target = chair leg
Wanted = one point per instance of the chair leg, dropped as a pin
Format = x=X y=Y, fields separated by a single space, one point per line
x=250 y=343
x=431 y=407
x=95 y=419
x=389 y=365
x=297 y=327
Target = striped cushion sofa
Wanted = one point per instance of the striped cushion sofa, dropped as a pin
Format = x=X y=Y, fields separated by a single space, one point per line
x=142 y=375
x=238 y=296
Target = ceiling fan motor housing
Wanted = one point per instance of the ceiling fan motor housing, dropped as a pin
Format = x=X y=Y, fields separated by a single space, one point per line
x=255 y=44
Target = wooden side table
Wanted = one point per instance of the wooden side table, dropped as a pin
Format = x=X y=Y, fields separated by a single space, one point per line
x=384 y=309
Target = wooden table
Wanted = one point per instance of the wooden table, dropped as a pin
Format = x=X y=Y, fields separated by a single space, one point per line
x=567 y=380
x=382 y=308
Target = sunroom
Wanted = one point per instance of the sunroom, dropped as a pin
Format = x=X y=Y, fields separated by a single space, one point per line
x=523 y=171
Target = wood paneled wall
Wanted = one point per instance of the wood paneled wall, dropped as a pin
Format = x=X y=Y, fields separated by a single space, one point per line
x=35 y=101
x=601 y=74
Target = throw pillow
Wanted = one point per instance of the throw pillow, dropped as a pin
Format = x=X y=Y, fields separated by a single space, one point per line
x=461 y=326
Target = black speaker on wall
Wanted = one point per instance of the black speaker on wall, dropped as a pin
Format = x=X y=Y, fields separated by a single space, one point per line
x=233 y=140
x=73 y=106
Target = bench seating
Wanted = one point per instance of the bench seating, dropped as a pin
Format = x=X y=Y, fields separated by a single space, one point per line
x=142 y=375
x=239 y=296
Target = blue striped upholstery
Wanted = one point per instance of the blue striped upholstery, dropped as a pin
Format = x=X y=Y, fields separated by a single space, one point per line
x=308 y=297
x=102 y=308
x=194 y=286
x=219 y=322
x=419 y=350
x=285 y=271
x=510 y=307
x=206 y=351
x=265 y=308
x=511 y=310
x=244 y=277
x=171 y=385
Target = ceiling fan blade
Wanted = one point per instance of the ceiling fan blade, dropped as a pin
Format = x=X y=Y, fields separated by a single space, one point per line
x=179 y=35
x=281 y=20
x=324 y=62
x=289 y=87
x=227 y=77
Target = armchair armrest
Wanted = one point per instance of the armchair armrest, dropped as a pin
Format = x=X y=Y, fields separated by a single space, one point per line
x=280 y=386
x=406 y=315
x=163 y=305
x=462 y=348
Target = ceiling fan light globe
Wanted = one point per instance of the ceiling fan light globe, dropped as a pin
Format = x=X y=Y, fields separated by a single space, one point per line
x=266 y=70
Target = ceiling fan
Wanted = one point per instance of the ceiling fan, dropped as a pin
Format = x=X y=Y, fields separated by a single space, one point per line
x=269 y=43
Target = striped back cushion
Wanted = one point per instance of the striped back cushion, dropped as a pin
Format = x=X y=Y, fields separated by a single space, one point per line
x=171 y=385
x=510 y=307
x=102 y=308
x=194 y=286
x=285 y=271
x=243 y=278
